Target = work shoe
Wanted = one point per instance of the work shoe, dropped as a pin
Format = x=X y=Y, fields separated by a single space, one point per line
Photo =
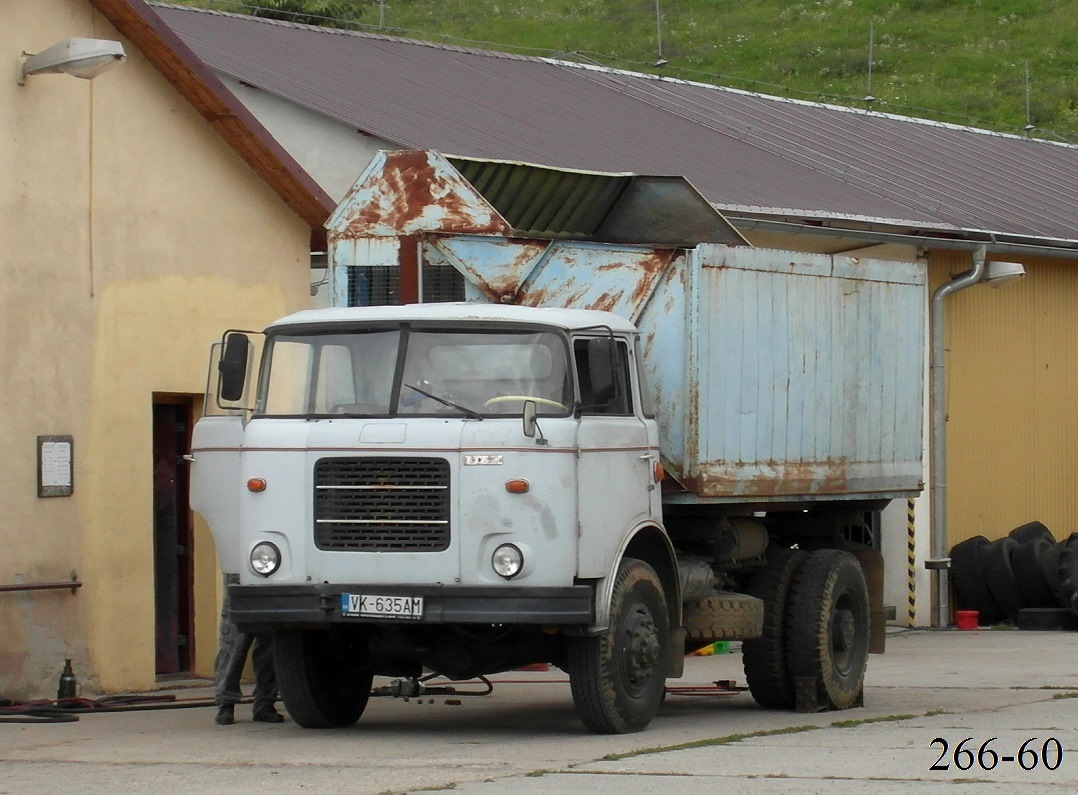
x=268 y=715
x=226 y=715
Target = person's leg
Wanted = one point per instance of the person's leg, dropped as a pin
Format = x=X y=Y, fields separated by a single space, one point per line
x=232 y=649
x=265 y=695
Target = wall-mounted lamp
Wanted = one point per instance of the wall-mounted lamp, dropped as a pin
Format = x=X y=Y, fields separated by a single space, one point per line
x=85 y=58
x=999 y=274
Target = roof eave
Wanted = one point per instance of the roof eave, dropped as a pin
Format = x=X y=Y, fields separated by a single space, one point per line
x=921 y=235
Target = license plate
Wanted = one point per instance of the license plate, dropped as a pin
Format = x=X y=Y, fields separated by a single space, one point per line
x=375 y=606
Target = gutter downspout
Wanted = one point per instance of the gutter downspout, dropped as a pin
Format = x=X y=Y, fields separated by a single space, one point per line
x=939 y=562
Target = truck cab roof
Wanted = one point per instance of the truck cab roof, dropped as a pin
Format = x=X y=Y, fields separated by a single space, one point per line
x=568 y=319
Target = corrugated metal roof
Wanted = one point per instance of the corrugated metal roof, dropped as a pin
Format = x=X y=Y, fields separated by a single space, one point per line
x=536 y=200
x=739 y=149
x=591 y=205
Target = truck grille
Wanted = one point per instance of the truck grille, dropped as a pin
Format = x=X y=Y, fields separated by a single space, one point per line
x=381 y=504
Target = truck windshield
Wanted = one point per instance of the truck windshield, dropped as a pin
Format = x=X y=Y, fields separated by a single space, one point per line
x=406 y=371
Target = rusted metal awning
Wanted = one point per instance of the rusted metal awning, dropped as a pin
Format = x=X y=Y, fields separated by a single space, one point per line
x=418 y=191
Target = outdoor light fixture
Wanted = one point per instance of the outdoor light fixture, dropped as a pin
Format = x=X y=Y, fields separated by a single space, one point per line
x=1000 y=274
x=85 y=58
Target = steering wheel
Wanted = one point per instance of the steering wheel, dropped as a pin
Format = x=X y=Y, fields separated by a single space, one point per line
x=538 y=400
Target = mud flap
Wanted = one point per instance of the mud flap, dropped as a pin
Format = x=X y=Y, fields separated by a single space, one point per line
x=675 y=654
x=871 y=561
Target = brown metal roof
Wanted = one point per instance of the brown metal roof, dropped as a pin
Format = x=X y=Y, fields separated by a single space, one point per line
x=748 y=153
x=209 y=96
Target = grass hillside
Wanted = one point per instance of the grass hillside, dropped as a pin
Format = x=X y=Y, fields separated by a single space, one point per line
x=959 y=61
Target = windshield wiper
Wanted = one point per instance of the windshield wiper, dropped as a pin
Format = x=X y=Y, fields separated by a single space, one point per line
x=475 y=415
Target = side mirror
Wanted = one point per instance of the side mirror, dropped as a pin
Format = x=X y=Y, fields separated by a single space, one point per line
x=601 y=368
x=529 y=419
x=233 y=367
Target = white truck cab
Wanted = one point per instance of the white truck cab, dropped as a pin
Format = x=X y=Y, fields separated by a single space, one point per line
x=466 y=488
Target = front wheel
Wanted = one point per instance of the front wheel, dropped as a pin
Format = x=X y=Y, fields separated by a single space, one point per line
x=618 y=678
x=324 y=681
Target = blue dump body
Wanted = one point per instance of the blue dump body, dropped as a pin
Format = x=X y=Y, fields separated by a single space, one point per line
x=774 y=375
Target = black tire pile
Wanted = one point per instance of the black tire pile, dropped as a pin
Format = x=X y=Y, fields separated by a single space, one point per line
x=1027 y=578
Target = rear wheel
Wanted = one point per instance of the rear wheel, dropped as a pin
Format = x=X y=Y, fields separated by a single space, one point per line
x=827 y=626
x=322 y=676
x=618 y=678
x=764 y=657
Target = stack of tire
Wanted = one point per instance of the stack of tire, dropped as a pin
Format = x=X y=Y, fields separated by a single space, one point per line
x=1027 y=578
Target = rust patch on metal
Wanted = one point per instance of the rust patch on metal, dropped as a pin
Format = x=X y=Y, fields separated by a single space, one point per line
x=654 y=266
x=770 y=479
x=606 y=302
x=413 y=194
x=567 y=295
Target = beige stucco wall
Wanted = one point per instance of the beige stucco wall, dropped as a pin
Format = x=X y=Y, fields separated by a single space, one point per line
x=131 y=235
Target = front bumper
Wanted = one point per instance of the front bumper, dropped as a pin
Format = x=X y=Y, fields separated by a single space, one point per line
x=261 y=608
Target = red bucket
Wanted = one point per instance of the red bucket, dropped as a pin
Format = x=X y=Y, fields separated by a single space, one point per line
x=966 y=619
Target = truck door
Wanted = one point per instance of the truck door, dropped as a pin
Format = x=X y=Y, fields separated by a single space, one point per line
x=616 y=460
x=216 y=444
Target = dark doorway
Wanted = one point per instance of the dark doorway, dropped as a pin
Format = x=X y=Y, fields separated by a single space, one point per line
x=172 y=554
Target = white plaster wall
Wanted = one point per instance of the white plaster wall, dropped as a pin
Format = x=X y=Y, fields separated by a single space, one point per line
x=333 y=153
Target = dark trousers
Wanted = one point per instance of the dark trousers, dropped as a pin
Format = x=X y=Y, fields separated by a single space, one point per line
x=232 y=649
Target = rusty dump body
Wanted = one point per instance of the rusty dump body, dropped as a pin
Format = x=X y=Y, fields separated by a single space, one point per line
x=775 y=376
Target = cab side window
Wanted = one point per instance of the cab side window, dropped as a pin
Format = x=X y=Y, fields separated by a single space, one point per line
x=602 y=370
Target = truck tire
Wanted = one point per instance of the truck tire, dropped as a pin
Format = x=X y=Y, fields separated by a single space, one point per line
x=1068 y=573
x=764 y=657
x=322 y=682
x=1047 y=618
x=827 y=627
x=618 y=679
x=973 y=593
x=1031 y=531
x=999 y=575
x=1050 y=569
x=1026 y=562
x=725 y=616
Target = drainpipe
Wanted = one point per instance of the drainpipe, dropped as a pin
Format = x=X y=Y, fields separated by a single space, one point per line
x=939 y=562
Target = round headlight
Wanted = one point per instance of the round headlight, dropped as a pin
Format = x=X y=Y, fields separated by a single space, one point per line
x=265 y=558
x=507 y=561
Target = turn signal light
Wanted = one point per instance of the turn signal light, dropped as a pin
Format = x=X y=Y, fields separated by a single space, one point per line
x=520 y=486
x=256 y=485
x=660 y=473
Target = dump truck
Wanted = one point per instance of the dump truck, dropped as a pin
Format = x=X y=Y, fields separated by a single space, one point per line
x=630 y=435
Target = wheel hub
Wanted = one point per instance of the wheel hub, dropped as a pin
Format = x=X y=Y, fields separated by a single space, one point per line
x=843 y=630
x=643 y=650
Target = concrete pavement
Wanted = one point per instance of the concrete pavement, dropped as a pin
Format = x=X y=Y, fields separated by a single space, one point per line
x=525 y=738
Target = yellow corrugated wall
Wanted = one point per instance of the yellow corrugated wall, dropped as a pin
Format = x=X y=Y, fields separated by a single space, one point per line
x=1012 y=399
